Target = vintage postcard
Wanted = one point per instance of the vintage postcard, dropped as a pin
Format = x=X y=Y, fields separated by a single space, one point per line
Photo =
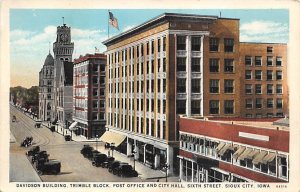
x=150 y=95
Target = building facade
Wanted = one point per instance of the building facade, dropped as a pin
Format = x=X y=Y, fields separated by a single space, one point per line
x=214 y=151
x=170 y=65
x=63 y=50
x=89 y=94
x=46 y=90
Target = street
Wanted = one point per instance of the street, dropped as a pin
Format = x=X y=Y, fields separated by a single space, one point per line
x=74 y=167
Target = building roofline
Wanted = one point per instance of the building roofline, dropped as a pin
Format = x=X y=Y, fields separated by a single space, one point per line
x=157 y=18
x=89 y=56
x=262 y=43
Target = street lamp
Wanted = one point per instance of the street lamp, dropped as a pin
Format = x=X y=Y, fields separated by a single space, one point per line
x=166 y=167
x=133 y=155
x=97 y=142
x=112 y=147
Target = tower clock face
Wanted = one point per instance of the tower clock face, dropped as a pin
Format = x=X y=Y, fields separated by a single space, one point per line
x=64 y=37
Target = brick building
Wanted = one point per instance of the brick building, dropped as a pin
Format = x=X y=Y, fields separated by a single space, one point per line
x=89 y=94
x=174 y=64
x=238 y=150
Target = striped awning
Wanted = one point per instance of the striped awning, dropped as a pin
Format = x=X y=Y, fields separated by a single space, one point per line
x=224 y=149
x=268 y=158
x=252 y=154
x=240 y=150
x=111 y=137
x=219 y=147
x=245 y=153
x=258 y=159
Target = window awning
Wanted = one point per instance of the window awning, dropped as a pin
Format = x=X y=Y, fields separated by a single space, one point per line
x=258 y=159
x=111 y=137
x=244 y=154
x=72 y=126
x=219 y=147
x=268 y=158
x=252 y=154
x=240 y=150
x=224 y=149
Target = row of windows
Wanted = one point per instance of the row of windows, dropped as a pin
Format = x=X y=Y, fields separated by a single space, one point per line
x=268 y=103
x=214 y=86
x=214 y=107
x=214 y=65
x=214 y=44
x=258 y=89
x=98 y=104
x=195 y=43
x=258 y=75
x=260 y=115
x=253 y=158
x=258 y=61
x=195 y=64
x=195 y=107
x=195 y=84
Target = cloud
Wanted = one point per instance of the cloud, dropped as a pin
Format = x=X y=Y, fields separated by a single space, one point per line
x=264 y=31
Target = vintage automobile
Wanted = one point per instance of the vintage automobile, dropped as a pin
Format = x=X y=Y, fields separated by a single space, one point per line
x=92 y=154
x=52 y=128
x=86 y=150
x=14 y=119
x=114 y=165
x=109 y=160
x=27 y=142
x=125 y=170
x=34 y=150
x=50 y=167
x=68 y=138
x=40 y=155
x=38 y=124
x=99 y=159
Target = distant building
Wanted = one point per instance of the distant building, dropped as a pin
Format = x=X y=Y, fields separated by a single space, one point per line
x=235 y=150
x=46 y=90
x=89 y=94
x=185 y=64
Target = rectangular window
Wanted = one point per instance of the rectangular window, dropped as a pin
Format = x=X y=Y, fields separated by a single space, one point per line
x=249 y=103
x=279 y=89
x=282 y=166
x=196 y=42
x=158 y=85
x=181 y=106
x=195 y=85
x=228 y=66
x=195 y=107
x=258 y=89
x=214 y=65
x=181 y=42
x=228 y=106
x=147 y=48
x=278 y=61
x=214 y=86
x=258 y=75
x=269 y=75
x=248 y=74
x=164 y=65
x=228 y=45
x=196 y=65
x=164 y=43
x=214 y=107
x=279 y=103
x=269 y=49
x=258 y=103
x=270 y=103
x=181 y=85
x=158 y=45
x=248 y=89
x=248 y=60
x=181 y=64
x=269 y=61
x=228 y=86
x=164 y=85
x=152 y=47
x=278 y=75
x=258 y=60
x=213 y=44
x=269 y=89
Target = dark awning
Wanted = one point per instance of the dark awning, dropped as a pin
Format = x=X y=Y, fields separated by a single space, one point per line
x=204 y=161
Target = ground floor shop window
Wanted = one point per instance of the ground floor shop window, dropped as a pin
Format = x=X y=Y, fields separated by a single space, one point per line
x=216 y=176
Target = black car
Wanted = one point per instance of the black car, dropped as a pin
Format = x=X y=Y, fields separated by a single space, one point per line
x=114 y=165
x=40 y=155
x=68 y=138
x=92 y=154
x=86 y=150
x=125 y=170
x=27 y=142
x=51 y=167
x=34 y=150
x=99 y=159
x=109 y=160
x=38 y=124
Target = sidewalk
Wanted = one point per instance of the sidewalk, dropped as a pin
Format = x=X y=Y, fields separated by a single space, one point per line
x=145 y=173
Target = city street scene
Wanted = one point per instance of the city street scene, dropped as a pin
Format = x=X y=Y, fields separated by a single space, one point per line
x=156 y=95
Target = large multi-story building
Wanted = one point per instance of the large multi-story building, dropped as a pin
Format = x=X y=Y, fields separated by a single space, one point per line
x=89 y=94
x=63 y=50
x=176 y=64
x=46 y=91
x=238 y=150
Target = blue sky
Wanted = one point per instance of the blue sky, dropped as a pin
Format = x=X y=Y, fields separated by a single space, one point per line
x=31 y=30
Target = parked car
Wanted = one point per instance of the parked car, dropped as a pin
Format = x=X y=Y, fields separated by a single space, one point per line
x=68 y=138
x=27 y=142
x=99 y=159
x=40 y=155
x=114 y=165
x=51 y=167
x=86 y=150
x=109 y=160
x=125 y=170
x=33 y=151
x=38 y=124
x=92 y=154
x=14 y=119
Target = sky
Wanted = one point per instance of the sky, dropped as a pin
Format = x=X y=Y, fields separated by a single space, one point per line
x=31 y=30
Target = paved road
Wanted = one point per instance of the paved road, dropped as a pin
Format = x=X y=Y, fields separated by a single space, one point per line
x=74 y=166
